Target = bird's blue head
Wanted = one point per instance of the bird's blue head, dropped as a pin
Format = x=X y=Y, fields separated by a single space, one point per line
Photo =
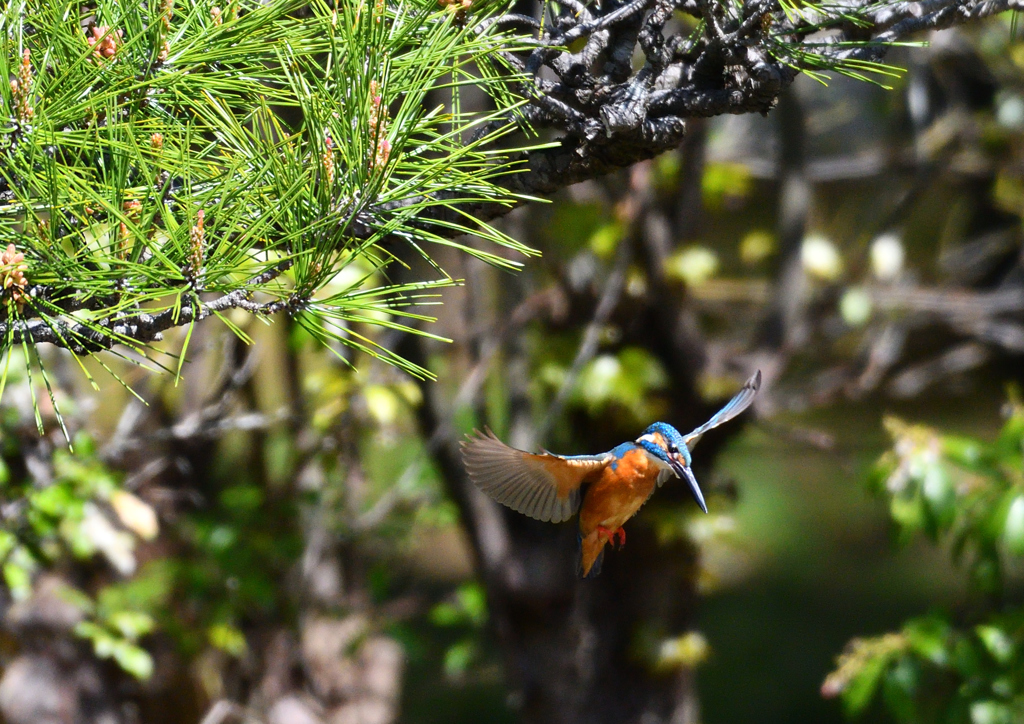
x=666 y=444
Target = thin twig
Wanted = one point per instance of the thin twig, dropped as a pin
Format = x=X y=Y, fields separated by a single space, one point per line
x=614 y=285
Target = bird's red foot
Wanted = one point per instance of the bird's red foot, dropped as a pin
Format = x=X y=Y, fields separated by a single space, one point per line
x=616 y=537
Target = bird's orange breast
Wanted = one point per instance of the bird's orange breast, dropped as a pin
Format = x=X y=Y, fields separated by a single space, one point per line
x=625 y=485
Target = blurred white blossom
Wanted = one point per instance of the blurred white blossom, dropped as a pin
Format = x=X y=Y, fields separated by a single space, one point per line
x=693 y=265
x=1010 y=111
x=115 y=545
x=820 y=258
x=136 y=515
x=686 y=651
x=887 y=257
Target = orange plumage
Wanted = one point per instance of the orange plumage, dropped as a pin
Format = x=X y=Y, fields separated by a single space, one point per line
x=616 y=496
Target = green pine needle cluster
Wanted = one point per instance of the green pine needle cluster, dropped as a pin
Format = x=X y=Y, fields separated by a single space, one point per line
x=164 y=162
x=803 y=41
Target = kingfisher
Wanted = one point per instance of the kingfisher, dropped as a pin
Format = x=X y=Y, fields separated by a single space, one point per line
x=606 y=489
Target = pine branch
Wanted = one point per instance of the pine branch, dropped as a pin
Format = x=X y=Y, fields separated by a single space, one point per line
x=739 y=59
x=141 y=328
x=160 y=165
x=147 y=164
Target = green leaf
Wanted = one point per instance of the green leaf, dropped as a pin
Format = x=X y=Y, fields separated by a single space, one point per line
x=18 y=580
x=78 y=599
x=7 y=543
x=242 y=499
x=990 y=712
x=92 y=631
x=131 y=624
x=929 y=638
x=469 y=608
x=458 y=657
x=1008 y=444
x=473 y=600
x=966 y=658
x=148 y=591
x=996 y=641
x=964 y=451
x=693 y=265
x=56 y=501
x=1013 y=527
x=606 y=238
x=446 y=614
x=986 y=572
x=227 y=638
x=940 y=496
x=130 y=657
x=862 y=687
x=899 y=690
x=724 y=182
x=133 y=659
x=624 y=379
x=908 y=513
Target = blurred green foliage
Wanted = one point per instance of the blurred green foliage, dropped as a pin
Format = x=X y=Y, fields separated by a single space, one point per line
x=72 y=517
x=464 y=611
x=968 y=494
x=622 y=381
x=220 y=567
x=725 y=184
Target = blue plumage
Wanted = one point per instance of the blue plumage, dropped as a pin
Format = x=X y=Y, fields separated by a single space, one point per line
x=673 y=441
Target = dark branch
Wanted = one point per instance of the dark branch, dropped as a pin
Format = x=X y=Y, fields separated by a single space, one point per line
x=740 y=62
x=141 y=328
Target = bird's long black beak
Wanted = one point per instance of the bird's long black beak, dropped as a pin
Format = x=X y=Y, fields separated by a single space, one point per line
x=682 y=470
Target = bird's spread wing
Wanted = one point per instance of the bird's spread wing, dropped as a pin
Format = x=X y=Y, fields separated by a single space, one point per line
x=545 y=487
x=735 y=406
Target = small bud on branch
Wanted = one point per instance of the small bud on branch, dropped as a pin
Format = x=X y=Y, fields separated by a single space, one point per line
x=328 y=160
x=166 y=13
x=197 y=236
x=104 y=41
x=380 y=147
x=12 y=274
x=21 y=90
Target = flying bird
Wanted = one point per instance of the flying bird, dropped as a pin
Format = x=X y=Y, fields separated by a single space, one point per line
x=606 y=489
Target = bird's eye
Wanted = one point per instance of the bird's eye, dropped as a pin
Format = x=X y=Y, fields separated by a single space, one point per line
x=672 y=449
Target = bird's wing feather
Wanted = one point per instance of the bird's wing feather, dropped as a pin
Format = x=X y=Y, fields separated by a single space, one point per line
x=735 y=406
x=545 y=487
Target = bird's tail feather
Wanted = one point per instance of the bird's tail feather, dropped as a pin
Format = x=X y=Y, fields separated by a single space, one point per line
x=591 y=555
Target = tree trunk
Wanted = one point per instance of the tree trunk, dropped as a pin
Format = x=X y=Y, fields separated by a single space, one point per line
x=581 y=650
